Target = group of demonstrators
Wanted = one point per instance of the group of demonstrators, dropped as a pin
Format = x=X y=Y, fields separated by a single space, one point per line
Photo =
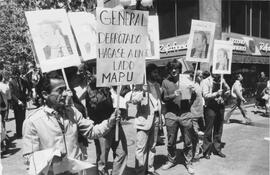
x=68 y=117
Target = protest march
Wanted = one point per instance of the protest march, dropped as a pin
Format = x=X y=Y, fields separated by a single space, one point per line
x=97 y=76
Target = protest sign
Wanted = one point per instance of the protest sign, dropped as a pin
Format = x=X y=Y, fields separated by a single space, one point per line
x=121 y=46
x=185 y=84
x=200 y=41
x=153 y=38
x=84 y=27
x=222 y=57
x=53 y=40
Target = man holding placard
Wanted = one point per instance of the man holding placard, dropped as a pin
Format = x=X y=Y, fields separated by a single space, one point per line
x=178 y=116
x=121 y=52
x=214 y=113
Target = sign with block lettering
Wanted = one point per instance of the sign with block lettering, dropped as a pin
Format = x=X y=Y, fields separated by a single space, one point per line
x=121 y=46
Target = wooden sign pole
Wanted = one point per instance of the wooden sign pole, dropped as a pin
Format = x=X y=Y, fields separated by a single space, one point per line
x=195 y=72
x=65 y=77
x=117 y=108
x=221 y=80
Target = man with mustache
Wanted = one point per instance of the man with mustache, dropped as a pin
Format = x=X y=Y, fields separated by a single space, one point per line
x=57 y=124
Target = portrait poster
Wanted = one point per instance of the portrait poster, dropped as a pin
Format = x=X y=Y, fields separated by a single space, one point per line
x=53 y=40
x=200 y=41
x=121 y=46
x=222 y=57
x=153 y=38
x=84 y=28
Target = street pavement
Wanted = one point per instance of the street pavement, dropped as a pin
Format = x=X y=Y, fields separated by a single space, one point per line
x=246 y=148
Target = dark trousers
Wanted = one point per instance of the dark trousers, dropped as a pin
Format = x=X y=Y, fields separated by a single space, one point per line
x=185 y=124
x=213 y=129
x=237 y=104
x=119 y=148
x=3 y=115
x=19 y=113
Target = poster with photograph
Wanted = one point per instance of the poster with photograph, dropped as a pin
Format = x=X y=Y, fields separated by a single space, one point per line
x=153 y=38
x=200 y=41
x=84 y=28
x=121 y=46
x=222 y=57
x=53 y=40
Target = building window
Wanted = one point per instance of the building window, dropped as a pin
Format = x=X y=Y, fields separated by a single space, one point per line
x=175 y=16
x=166 y=13
x=238 y=17
x=265 y=16
x=186 y=11
x=246 y=17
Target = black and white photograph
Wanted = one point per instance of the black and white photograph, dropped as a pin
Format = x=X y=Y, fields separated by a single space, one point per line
x=222 y=57
x=200 y=41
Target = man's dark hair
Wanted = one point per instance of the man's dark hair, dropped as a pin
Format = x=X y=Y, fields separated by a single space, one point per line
x=46 y=80
x=237 y=76
x=206 y=74
x=174 y=64
x=150 y=68
x=1 y=77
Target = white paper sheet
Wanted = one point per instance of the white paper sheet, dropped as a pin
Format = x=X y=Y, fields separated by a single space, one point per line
x=40 y=161
x=184 y=86
x=71 y=165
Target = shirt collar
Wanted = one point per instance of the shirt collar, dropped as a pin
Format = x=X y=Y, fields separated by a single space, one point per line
x=50 y=111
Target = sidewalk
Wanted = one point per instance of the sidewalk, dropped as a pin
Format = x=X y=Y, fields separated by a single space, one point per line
x=246 y=149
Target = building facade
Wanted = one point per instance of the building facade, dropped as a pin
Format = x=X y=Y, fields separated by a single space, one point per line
x=245 y=23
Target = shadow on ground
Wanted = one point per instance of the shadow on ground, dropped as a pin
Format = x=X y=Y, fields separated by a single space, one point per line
x=11 y=148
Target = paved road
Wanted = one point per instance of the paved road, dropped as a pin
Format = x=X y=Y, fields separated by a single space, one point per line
x=246 y=149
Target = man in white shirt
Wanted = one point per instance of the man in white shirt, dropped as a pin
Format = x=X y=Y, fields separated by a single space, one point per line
x=214 y=113
x=237 y=91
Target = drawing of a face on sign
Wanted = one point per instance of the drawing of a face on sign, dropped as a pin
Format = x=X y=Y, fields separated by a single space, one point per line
x=56 y=43
x=200 y=44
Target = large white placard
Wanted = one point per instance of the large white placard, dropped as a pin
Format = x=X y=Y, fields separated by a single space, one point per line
x=222 y=57
x=84 y=27
x=53 y=39
x=121 y=46
x=153 y=38
x=200 y=41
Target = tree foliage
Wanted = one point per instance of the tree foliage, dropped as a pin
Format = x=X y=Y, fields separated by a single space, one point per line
x=15 y=44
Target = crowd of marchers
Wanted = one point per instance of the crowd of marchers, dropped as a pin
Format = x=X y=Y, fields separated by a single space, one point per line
x=66 y=117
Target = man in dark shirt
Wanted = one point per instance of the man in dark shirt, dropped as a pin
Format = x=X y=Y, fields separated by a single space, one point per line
x=178 y=116
x=99 y=105
x=18 y=88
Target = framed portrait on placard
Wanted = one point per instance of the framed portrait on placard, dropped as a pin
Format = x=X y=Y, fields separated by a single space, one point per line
x=52 y=39
x=84 y=27
x=222 y=57
x=200 y=41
